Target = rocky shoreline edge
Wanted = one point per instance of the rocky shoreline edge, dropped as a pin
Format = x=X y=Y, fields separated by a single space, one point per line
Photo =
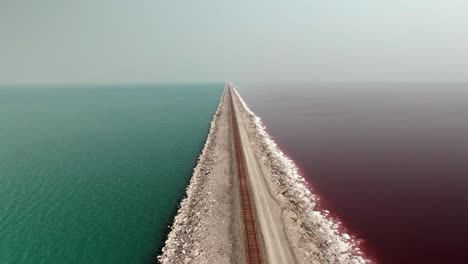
x=314 y=236
x=178 y=241
x=207 y=227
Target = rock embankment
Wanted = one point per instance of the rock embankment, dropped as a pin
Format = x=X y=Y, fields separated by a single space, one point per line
x=207 y=227
x=313 y=236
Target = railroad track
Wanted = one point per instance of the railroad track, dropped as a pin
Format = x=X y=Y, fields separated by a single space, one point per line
x=253 y=246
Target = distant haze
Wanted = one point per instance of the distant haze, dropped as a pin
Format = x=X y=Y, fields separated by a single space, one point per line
x=145 y=41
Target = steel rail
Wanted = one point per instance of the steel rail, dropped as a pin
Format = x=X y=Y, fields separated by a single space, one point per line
x=253 y=249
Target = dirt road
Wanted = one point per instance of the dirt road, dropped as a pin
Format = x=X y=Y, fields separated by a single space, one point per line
x=268 y=211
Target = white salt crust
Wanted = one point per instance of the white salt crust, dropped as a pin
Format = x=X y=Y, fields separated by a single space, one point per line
x=314 y=236
x=194 y=238
x=201 y=232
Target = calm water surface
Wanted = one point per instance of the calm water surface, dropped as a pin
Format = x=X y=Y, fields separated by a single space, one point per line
x=390 y=160
x=95 y=174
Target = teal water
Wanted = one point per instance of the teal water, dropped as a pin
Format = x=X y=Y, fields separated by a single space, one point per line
x=95 y=174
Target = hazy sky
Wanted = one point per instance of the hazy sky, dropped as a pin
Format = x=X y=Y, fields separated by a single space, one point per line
x=111 y=41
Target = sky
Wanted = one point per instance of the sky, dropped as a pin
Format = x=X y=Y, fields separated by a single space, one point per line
x=149 y=41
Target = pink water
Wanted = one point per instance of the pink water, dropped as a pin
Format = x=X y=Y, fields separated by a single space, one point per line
x=389 y=160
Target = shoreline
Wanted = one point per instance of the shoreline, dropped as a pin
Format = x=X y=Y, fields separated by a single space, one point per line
x=208 y=226
x=314 y=236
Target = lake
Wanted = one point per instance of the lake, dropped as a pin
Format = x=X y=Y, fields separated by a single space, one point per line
x=390 y=160
x=94 y=174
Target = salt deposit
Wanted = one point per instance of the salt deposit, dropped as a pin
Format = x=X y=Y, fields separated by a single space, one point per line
x=208 y=226
x=314 y=236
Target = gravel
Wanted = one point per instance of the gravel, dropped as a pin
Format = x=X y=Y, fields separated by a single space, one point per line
x=314 y=237
x=208 y=227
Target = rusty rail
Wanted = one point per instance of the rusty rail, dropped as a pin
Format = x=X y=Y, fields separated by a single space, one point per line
x=253 y=249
